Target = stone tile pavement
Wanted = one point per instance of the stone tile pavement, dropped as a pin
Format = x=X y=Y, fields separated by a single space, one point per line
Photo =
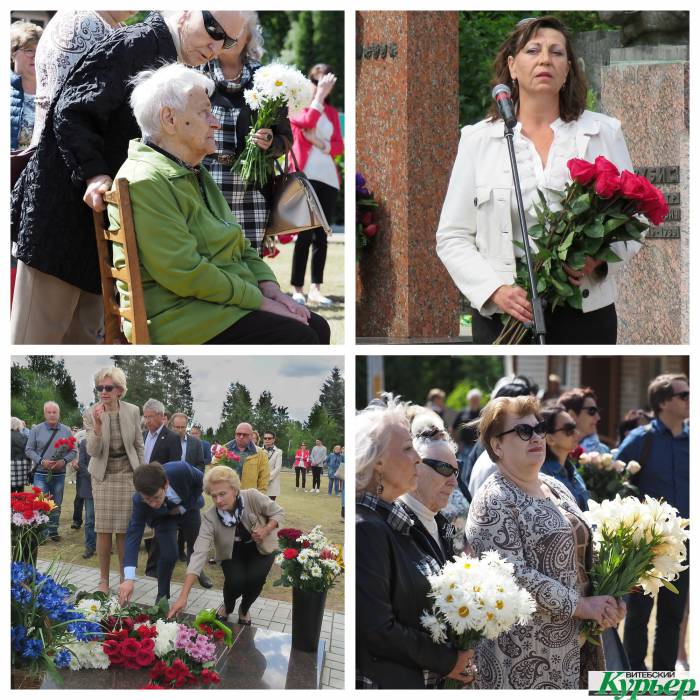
x=266 y=613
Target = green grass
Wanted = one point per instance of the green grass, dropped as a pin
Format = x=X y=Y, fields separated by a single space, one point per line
x=332 y=287
x=302 y=510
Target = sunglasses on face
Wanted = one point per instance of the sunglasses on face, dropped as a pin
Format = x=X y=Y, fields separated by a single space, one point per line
x=105 y=387
x=216 y=31
x=525 y=431
x=682 y=395
x=591 y=410
x=442 y=468
x=569 y=429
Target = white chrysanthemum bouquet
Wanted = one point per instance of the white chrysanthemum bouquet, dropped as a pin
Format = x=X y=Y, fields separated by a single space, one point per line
x=475 y=598
x=274 y=86
x=638 y=544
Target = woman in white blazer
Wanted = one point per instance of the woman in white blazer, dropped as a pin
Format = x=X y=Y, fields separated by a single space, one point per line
x=479 y=221
x=242 y=525
x=115 y=446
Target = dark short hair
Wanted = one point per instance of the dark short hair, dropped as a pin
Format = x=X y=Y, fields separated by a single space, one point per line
x=572 y=99
x=269 y=432
x=549 y=416
x=661 y=389
x=318 y=71
x=149 y=478
x=573 y=399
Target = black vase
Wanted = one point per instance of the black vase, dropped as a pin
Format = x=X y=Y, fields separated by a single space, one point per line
x=307 y=617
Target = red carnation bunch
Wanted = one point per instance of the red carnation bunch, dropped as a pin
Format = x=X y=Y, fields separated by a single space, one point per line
x=130 y=652
x=288 y=537
x=290 y=553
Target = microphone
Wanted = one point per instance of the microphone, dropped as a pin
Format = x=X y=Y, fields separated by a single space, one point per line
x=501 y=93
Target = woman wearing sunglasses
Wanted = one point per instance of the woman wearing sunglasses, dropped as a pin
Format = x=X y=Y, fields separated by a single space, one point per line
x=393 y=650
x=115 y=446
x=533 y=520
x=562 y=438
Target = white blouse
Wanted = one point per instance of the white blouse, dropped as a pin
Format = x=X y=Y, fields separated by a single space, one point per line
x=320 y=166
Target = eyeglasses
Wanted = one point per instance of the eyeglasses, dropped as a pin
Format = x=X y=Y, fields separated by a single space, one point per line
x=268 y=437
x=525 y=431
x=244 y=434
x=569 y=429
x=682 y=395
x=442 y=468
x=105 y=387
x=216 y=31
x=28 y=52
x=591 y=410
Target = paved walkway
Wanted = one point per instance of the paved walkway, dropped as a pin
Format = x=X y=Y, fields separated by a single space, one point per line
x=267 y=613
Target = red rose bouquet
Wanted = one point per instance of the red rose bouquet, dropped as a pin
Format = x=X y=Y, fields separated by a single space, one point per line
x=600 y=207
x=221 y=455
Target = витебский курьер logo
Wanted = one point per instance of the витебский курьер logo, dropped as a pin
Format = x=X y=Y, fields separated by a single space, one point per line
x=634 y=684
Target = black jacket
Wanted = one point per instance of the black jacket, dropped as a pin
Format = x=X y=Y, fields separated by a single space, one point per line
x=392 y=648
x=18 y=443
x=83 y=482
x=425 y=540
x=168 y=447
x=194 y=454
x=88 y=128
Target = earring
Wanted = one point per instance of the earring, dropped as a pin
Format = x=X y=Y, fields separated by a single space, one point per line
x=380 y=485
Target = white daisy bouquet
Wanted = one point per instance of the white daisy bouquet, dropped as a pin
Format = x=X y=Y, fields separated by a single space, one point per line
x=275 y=86
x=639 y=544
x=475 y=598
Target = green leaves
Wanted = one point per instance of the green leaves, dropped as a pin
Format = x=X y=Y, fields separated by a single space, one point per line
x=594 y=230
x=581 y=204
x=609 y=255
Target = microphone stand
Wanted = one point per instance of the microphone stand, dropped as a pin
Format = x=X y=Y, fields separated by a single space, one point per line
x=537 y=310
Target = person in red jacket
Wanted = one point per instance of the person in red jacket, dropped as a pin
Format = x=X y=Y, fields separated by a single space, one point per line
x=302 y=463
x=317 y=140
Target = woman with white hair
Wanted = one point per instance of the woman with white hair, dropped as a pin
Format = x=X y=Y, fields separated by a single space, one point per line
x=202 y=280
x=393 y=650
x=115 y=445
x=233 y=72
x=242 y=526
x=20 y=464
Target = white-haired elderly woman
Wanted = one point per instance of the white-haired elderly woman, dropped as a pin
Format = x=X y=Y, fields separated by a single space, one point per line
x=242 y=526
x=202 y=280
x=115 y=445
x=393 y=650
x=233 y=72
x=20 y=464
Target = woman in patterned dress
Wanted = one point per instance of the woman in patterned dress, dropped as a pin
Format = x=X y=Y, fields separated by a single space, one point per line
x=533 y=520
x=233 y=73
x=115 y=446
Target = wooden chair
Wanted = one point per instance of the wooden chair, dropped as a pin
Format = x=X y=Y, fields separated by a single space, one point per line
x=129 y=274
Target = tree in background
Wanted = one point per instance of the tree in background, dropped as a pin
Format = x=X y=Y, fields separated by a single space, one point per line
x=157 y=377
x=332 y=397
x=321 y=425
x=480 y=35
x=237 y=408
x=413 y=377
x=44 y=379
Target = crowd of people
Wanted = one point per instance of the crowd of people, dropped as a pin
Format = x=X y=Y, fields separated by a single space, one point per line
x=511 y=462
x=89 y=103
x=141 y=475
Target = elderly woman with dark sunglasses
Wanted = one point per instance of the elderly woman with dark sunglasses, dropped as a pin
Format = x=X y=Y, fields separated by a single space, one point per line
x=533 y=520
x=562 y=438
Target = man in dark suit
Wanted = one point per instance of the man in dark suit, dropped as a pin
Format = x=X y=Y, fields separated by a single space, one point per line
x=193 y=454
x=192 y=450
x=196 y=431
x=167 y=497
x=159 y=444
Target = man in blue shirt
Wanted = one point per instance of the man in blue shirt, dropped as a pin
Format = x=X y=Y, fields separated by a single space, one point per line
x=662 y=449
x=167 y=496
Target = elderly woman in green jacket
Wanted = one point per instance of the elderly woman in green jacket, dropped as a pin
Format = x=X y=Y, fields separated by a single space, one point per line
x=202 y=281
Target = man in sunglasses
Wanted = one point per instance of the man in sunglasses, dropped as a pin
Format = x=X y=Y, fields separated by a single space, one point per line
x=437 y=479
x=662 y=450
x=83 y=144
x=583 y=405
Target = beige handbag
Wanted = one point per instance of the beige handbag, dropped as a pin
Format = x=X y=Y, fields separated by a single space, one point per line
x=295 y=206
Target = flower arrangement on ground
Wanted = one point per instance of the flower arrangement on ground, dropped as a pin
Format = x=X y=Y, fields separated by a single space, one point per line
x=275 y=86
x=43 y=623
x=29 y=515
x=309 y=562
x=606 y=477
x=220 y=454
x=639 y=545
x=365 y=214
x=475 y=598
x=599 y=208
